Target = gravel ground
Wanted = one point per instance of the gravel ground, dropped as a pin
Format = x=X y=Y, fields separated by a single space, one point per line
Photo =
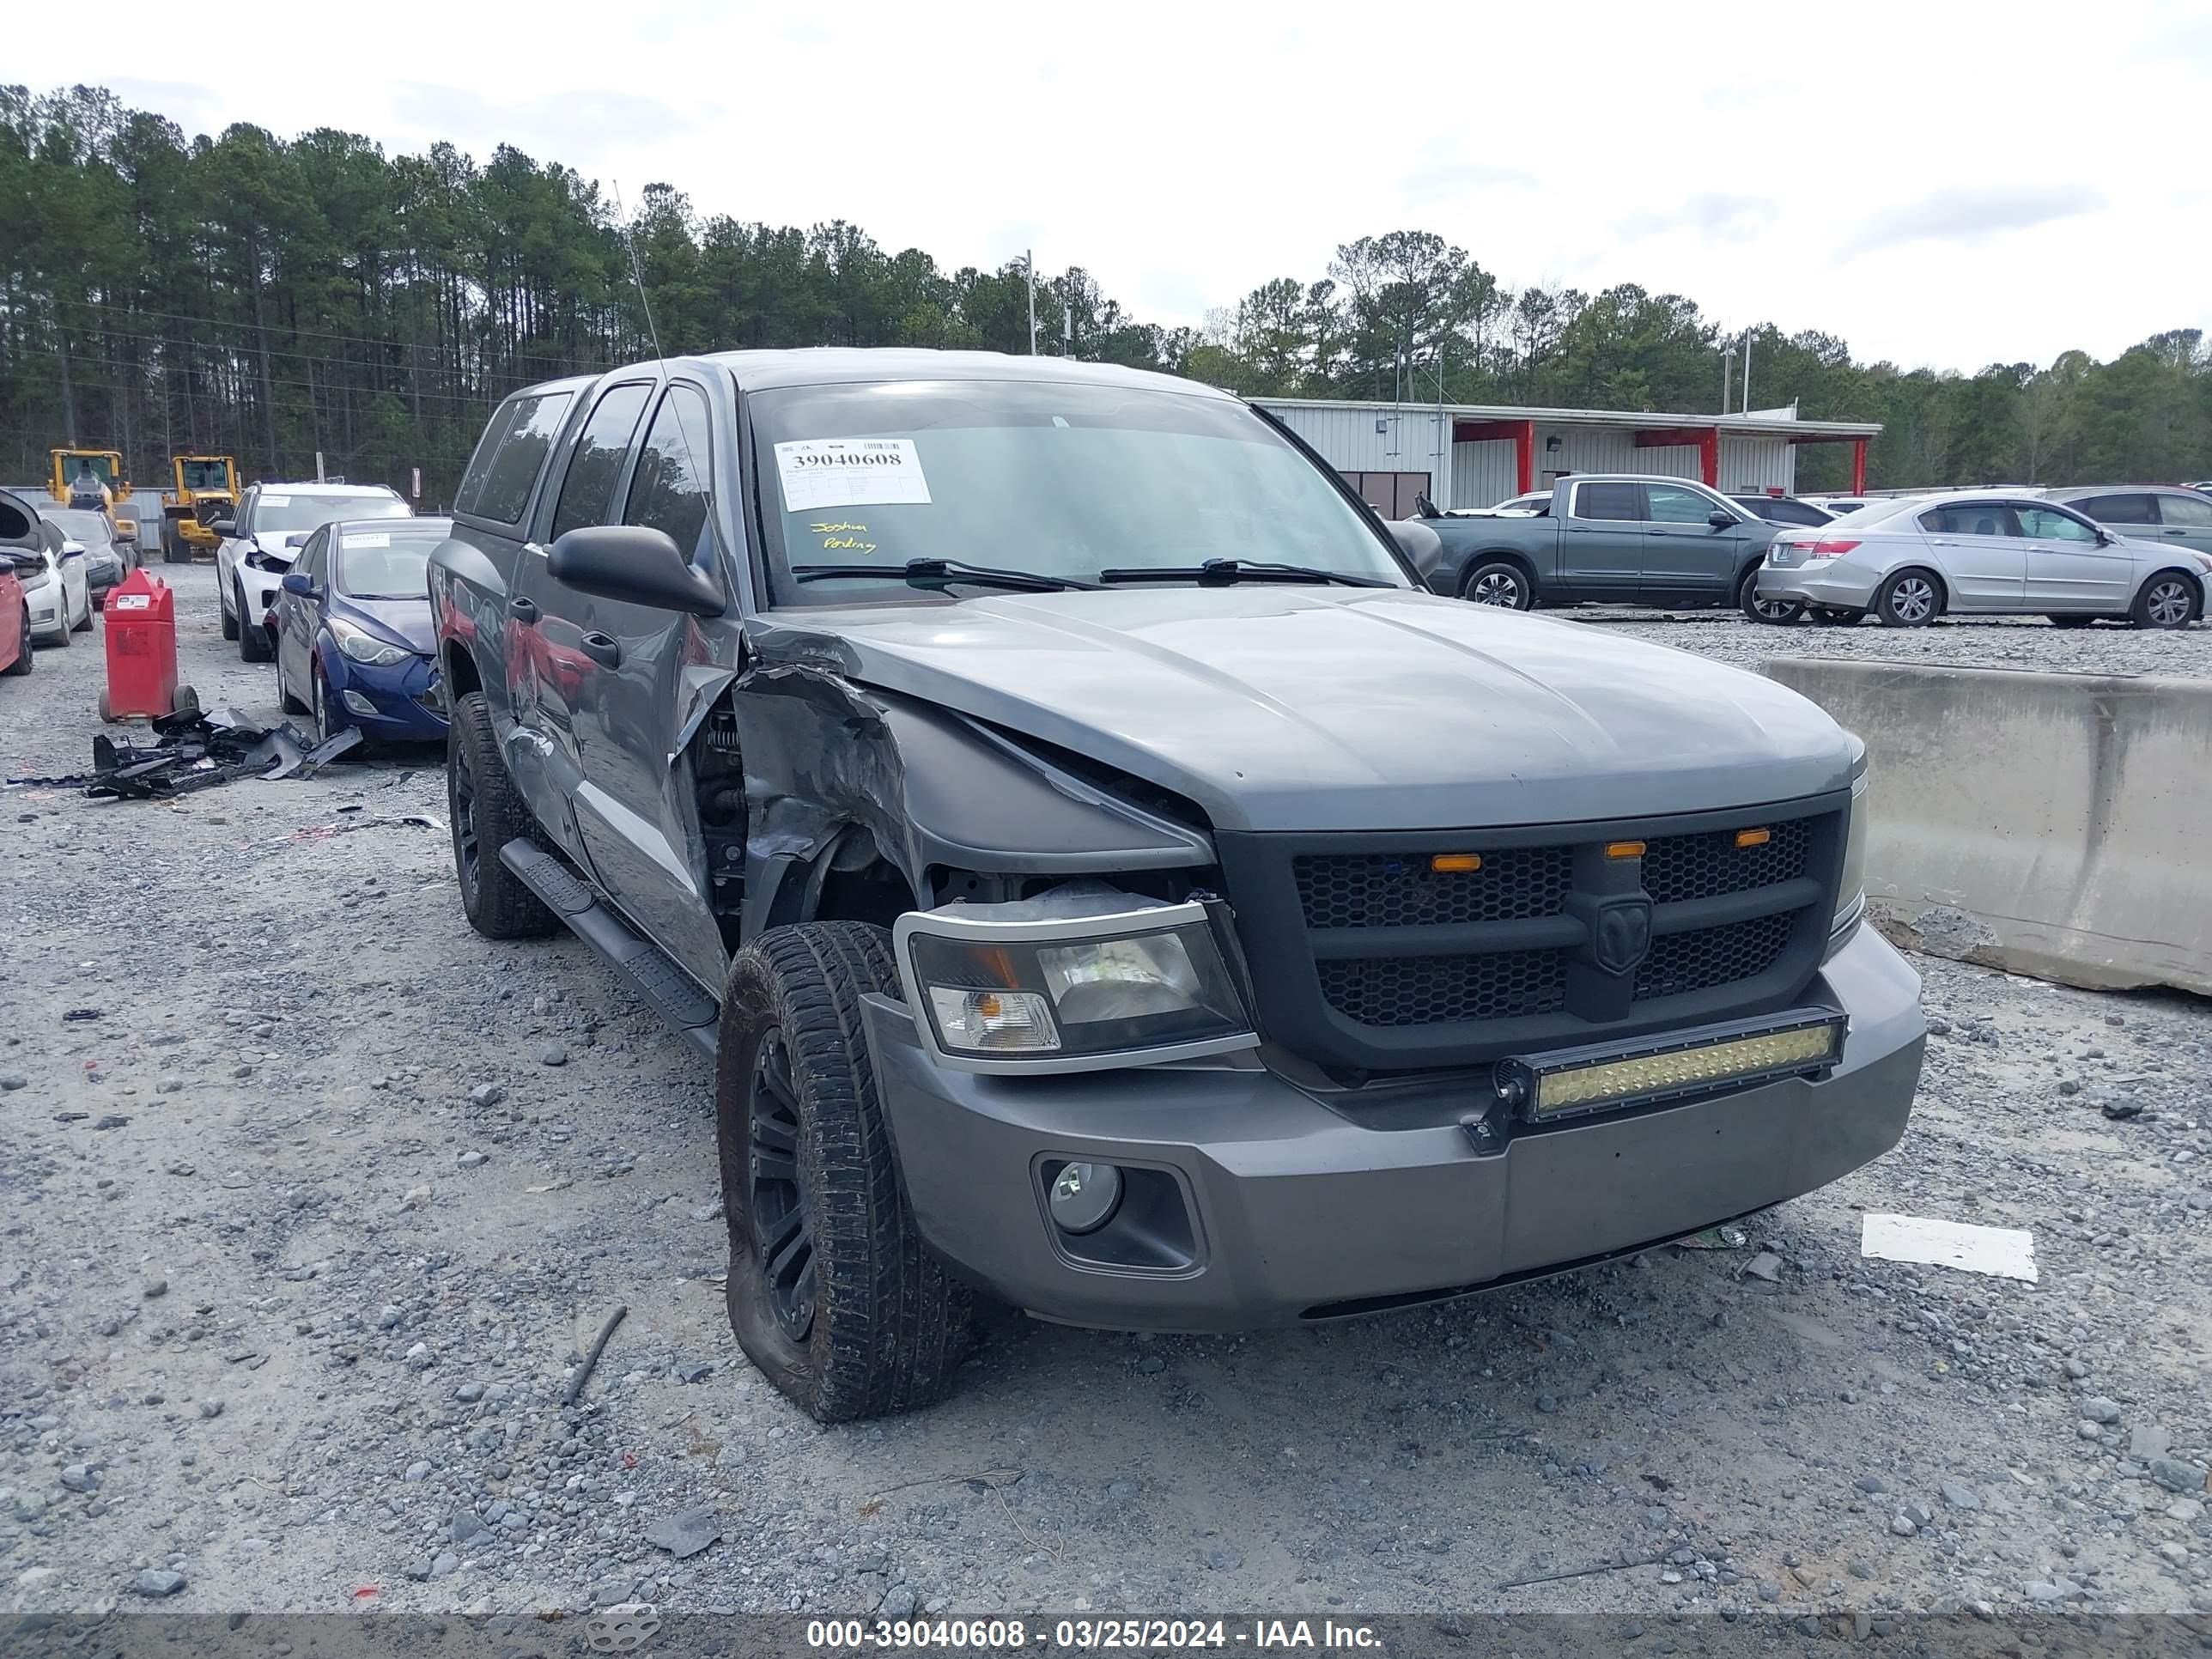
x=310 y=1199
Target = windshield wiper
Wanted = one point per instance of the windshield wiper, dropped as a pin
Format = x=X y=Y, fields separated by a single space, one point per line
x=1219 y=573
x=939 y=574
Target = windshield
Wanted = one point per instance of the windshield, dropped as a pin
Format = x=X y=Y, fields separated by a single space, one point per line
x=389 y=564
x=291 y=509
x=79 y=525
x=206 y=475
x=102 y=469
x=1054 y=480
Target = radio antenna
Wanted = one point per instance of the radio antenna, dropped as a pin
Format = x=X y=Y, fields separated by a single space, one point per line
x=637 y=275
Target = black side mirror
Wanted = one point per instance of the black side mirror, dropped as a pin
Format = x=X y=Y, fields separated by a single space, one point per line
x=632 y=565
x=1720 y=519
x=303 y=586
x=225 y=527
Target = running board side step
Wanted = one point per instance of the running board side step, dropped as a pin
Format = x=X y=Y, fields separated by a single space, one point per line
x=665 y=989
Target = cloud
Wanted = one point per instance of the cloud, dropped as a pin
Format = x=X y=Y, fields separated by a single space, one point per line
x=546 y=127
x=1448 y=181
x=1974 y=216
x=1711 y=216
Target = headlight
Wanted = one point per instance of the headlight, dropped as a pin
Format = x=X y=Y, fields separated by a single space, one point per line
x=1851 y=891
x=366 y=647
x=1082 y=978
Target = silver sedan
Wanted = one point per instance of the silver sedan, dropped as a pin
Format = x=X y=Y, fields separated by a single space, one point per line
x=1909 y=561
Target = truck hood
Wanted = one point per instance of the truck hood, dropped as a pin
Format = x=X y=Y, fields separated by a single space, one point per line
x=1340 y=708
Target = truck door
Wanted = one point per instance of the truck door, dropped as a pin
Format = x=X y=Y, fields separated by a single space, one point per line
x=625 y=700
x=1602 y=540
x=1685 y=555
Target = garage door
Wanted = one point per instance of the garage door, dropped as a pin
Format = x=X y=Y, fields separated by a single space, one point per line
x=1390 y=494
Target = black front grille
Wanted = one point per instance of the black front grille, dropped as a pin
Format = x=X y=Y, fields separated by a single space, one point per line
x=1364 y=955
x=1683 y=963
x=1706 y=865
x=1435 y=990
x=1389 y=890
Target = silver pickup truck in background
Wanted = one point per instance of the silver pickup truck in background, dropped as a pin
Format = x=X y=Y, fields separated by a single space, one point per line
x=1608 y=538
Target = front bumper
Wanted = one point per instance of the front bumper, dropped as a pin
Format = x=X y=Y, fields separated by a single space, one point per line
x=394 y=695
x=49 y=613
x=1817 y=582
x=260 y=589
x=1295 y=1212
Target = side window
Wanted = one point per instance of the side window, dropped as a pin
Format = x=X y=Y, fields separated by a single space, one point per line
x=1971 y=519
x=246 y=512
x=2046 y=524
x=2194 y=511
x=670 y=489
x=587 y=491
x=312 y=561
x=1664 y=504
x=2120 y=509
x=1617 y=503
x=498 y=483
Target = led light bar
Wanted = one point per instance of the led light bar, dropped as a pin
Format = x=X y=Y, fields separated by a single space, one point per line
x=1607 y=1077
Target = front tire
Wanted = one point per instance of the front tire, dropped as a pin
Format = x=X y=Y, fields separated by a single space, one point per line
x=1777 y=613
x=1499 y=583
x=83 y=624
x=2169 y=600
x=252 y=637
x=1910 y=598
x=229 y=619
x=319 y=705
x=487 y=812
x=831 y=1292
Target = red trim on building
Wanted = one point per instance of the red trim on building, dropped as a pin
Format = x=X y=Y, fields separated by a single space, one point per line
x=1707 y=437
x=1523 y=434
x=1858 y=466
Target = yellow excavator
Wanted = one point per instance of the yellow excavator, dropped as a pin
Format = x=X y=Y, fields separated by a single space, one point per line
x=207 y=489
x=93 y=479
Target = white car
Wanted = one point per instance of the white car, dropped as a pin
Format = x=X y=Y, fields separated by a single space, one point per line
x=1907 y=562
x=259 y=545
x=59 y=596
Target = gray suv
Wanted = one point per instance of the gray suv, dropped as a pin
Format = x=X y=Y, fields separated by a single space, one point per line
x=2168 y=514
x=1106 y=881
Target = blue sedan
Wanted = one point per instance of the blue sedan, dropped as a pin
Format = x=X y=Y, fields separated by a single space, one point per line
x=352 y=631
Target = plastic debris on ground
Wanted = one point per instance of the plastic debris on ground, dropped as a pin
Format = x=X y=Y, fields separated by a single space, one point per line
x=1715 y=1238
x=2000 y=1252
x=194 y=750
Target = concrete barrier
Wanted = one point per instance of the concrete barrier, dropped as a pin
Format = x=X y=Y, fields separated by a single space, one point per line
x=2055 y=824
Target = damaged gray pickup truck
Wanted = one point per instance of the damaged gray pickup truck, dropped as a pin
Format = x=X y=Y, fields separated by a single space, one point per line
x=1107 y=882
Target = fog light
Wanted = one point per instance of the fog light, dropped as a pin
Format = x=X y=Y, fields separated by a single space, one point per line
x=1084 y=1197
x=358 y=703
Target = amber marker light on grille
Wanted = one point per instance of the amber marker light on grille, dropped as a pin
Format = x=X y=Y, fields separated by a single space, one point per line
x=1753 y=837
x=1566 y=1085
x=1623 y=849
x=1456 y=864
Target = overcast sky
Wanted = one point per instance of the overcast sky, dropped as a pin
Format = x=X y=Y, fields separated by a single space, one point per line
x=1942 y=184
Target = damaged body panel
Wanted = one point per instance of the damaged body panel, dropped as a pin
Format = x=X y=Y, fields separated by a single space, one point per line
x=1088 y=855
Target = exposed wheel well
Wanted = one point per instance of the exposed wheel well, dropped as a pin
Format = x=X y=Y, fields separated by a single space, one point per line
x=460 y=672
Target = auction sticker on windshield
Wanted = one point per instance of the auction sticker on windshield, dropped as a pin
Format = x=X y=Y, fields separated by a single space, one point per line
x=821 y=472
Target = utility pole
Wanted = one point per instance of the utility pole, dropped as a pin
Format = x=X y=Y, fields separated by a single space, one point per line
x=1029 y=263
x=1747 y=371
x=1727 y=376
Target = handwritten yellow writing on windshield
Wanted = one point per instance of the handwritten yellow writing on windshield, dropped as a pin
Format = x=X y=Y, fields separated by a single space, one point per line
x=839 y=529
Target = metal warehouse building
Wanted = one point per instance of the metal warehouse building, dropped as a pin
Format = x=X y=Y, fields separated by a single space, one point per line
x=1471 y=455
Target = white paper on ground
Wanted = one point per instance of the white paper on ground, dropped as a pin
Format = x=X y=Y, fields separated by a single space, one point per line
x=850 y=473
x=2003 y=1252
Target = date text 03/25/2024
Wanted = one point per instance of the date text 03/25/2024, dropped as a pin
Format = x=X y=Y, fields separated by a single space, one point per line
x=1088 y=1635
